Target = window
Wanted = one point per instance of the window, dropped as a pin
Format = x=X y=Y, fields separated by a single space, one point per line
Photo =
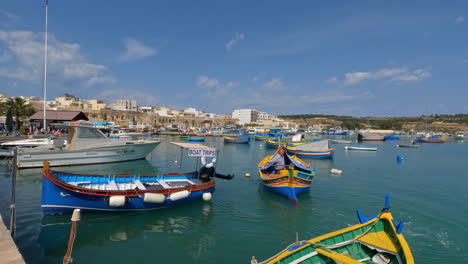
x=91 y=133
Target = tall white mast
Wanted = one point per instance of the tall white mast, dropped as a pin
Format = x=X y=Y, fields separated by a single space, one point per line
x=45 y=64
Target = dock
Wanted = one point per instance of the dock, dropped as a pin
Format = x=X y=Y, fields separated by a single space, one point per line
x=9 y=253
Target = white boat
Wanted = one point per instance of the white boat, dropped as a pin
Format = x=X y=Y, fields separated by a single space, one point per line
x=124 y=133
x=29 y=143
x=87 y=145
x=460 y=136
x=338 y=141
x=360 y=147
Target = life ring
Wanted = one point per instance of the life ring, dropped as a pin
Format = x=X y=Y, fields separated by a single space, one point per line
x=207 y=165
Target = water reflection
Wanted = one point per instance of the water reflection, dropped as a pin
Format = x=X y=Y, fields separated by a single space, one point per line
x=102 y=229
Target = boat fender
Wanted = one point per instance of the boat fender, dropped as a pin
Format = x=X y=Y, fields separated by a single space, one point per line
x=207 y=196
x=154 y=198
x=399 y=158
x=179 y=195
x=117 y=201
x=207 y=165
x=336 y=171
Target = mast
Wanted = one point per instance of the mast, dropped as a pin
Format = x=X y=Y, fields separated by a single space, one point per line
x=45 y=63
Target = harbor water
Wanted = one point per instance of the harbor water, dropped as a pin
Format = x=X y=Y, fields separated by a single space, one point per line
x=428 y=190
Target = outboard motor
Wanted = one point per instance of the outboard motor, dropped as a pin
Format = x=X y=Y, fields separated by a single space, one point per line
x=208 y=171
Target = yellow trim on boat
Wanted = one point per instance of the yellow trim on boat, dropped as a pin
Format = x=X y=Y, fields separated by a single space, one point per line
x=385 y=216
x=336 y=256
x=379 y=240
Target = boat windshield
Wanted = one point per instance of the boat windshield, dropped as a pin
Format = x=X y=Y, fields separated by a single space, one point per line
x=89 y=133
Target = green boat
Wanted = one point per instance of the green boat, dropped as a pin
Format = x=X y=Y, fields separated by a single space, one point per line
x=375 y=240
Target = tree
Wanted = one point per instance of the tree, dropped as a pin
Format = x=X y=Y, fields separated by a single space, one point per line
x=19 y=109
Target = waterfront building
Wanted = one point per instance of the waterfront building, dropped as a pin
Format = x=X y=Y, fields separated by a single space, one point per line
x=245 y=116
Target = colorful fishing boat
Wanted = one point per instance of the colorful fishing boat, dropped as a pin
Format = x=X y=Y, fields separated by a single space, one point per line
x=317 y=149
x=240 y=139
x=376 y=239
x=294 y=179
x=431 y=139
x=296 y=140
x=196 y=139
x=62 y=191
x=259 y=137
x=184 y=135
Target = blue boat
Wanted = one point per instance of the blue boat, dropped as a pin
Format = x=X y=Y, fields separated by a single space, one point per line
x=196 y=139
x=240 y=139
x=392 y=137
x=62 y=192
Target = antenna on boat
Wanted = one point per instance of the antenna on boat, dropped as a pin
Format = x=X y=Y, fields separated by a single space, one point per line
x=45 y=62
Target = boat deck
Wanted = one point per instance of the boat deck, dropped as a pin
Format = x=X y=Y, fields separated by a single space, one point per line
x=155 y=185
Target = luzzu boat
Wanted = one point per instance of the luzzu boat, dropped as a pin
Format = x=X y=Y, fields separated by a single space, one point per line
x=431 y=139
x=376 y=239
x=289 y=183
x=62 y=192
x=317 y=149
x=297 y=140
x=259 y=137
x=240 y=139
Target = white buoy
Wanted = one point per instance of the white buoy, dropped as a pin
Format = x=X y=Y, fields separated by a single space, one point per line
x=117 y=201
x=179 y=195
x=206 y=196
x=175 y=161
x=336 y=171
x=154 y=198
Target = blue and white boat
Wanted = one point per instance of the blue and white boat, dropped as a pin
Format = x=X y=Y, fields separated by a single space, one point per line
x=361 y=147
x=62 y=192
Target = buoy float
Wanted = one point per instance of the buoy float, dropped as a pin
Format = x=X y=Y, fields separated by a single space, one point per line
x=175 y=161
x=336 y=171
x=399 y=158
x=179 y=195
x=117 y=201
x=247 y=174
x=154 y=198
x=206 y=196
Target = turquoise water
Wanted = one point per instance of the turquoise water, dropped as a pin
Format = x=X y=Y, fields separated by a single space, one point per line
x=428 y=190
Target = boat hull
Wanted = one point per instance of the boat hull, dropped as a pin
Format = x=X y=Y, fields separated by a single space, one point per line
x=89 y=156
x=419 y=140
x=236 y=141
x=313 y=155
x=361 y=148
x=195 y=139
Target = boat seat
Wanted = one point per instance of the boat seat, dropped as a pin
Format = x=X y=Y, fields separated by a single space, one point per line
x=163 y=184
x=113 y=186
x=380 y=240
x=336 y=256
x=139 y=185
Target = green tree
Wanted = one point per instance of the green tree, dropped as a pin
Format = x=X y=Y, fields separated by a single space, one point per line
x=19 y=109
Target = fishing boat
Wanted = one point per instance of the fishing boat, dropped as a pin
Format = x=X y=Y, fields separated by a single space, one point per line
x=259 y=137
x=288 y=182
x=407 y=146
x=196 y=139
x=63 y=191
x=296 y=140
x=316 y=149
x=430 y=139
x=334 y=132
x=392 y=137
x=459 y=136
x=85 y=145
x=361 y=147
x=184 y=135
x=240 y=139
x=369 y=137
x=338 y=141
x=376 y=239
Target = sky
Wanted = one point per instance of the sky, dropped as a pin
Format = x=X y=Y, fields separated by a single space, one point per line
x=359 y=58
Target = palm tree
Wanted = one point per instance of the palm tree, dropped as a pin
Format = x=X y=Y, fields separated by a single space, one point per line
x=19 y=109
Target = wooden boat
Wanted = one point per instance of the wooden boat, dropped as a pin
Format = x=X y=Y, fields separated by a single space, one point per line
x=274 y=143
x=361 y=147
x=316 y=149
x=295 y=180
x=407 y=146
x=369 y=137
x=196 y=139
x=62 y=191
x=183 y=135
x=392 y=137
x=259 y=137
x=240 y=139
x=431 y=139
x=377 y=239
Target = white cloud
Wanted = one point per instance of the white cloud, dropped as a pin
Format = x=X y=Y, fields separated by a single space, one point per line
x=459 y=19
x=25 y=59
x=332 y=80
x=390 y=74
x=142 y=98
x=213 y=87
x=10 y=16
x=275 y=85
x=135 y=50
x=237 y=37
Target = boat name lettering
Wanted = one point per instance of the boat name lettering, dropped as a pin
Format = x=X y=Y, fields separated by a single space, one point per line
x=202 y=152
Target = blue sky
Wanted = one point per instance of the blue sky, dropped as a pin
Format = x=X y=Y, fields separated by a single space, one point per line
x=361 y=58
